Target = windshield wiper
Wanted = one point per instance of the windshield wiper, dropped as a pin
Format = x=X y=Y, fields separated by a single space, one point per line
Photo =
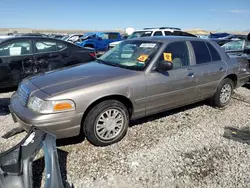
x=107 y=63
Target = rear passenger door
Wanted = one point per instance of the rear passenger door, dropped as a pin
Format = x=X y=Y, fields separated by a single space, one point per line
x=209 y=67
x=49 y=55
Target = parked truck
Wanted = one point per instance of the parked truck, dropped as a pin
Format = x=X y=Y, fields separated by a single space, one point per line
x=99 y=40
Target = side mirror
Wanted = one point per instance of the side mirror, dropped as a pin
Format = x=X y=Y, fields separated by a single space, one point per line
x=165 y=65
x=246 y=51
x=99 y=38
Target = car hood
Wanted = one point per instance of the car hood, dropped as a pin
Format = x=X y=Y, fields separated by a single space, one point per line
x=114 y=43
x=82 y=76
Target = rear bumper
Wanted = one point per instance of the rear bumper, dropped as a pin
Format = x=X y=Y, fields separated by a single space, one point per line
x=62 y=125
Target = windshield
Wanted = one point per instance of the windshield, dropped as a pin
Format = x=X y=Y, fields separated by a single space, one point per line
x=132 y=54
x=138 y=34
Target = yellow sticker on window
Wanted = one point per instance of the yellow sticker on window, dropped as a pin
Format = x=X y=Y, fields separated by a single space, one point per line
x=167 y=57
x=142 y=58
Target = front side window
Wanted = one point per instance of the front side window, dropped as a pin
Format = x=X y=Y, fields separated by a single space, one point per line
x=158 y=33
x=42 y=46
x=201 y=52
x=16 y=48
x=104 y=36
x=134 y=55
x=177 y=53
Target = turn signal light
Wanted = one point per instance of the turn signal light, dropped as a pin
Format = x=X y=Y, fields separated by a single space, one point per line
x=63 y=106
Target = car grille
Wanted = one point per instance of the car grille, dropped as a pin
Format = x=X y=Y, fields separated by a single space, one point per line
x=23 y=95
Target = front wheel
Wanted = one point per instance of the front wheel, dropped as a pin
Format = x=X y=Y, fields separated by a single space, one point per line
x=223 y=94
x=106 y=123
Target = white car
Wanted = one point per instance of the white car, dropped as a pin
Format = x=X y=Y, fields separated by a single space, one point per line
x=159 y=31
x=3 y=37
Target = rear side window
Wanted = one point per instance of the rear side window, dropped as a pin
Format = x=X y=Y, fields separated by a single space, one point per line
x=42 y=46
x=186 y=34
x=214 y=53
x=201 y=52
x=168 y=33
x=158 y=33
x=113 y=36
x=61 y=46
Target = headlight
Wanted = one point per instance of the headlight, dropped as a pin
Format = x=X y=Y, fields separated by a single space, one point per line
x=47 y=107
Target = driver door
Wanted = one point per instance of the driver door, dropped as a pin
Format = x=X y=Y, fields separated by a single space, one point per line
x=15 y=58
x=102 y=42
x=173 y=88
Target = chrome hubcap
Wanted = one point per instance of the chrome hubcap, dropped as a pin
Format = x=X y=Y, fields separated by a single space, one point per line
x=225 y=93
x=109 y=124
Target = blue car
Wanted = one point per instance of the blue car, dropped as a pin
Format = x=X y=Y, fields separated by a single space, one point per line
x=99 y=40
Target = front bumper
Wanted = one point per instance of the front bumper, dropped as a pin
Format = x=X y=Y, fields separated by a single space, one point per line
x=63 y=125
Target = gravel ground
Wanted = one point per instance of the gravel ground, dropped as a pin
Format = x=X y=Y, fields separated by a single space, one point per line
x=180 y=148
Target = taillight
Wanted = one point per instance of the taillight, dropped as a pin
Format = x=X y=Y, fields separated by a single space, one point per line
x=92 y=54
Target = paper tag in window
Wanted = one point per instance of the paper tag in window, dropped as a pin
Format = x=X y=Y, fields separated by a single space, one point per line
x=142 y=58
x=15 y=51
x=147 y=45
x=167 y=57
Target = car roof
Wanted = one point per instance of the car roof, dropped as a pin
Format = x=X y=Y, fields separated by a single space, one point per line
x=156 y=29
x=168 y=38
x=30 y=38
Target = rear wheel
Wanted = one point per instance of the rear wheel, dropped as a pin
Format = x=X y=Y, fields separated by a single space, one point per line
x=223 y=94
x=106 y=123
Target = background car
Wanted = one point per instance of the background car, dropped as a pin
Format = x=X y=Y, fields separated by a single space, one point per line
x=21 y=57
x=99 y=40
x=236 y=47
x=33 y=35
x=239 y=48
x=156 y=31
x=223 y=38
x=56 y=36
x=73 y=38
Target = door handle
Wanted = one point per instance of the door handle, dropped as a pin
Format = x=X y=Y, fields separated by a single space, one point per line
x=191 y=74
x=221 y=69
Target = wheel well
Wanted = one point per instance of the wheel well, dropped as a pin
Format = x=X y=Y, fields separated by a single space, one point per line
x=120 y=98
x=234 y=78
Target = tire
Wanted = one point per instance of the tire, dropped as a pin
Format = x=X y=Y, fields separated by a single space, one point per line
x=216 y=99
x=99 y=113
